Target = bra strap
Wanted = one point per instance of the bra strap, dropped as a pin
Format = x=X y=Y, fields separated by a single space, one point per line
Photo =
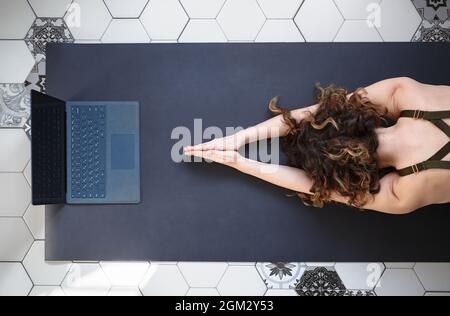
x=426 y=115
x=430 y=164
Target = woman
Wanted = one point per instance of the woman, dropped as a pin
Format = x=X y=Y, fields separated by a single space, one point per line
x=338 y=148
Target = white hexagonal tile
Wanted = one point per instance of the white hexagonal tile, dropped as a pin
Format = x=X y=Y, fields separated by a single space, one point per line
x=47 y=291
x=281 y=275
x=16 y=150
x=16 y=17
x=242 y=264
x=241 y=20
x=241 y=281
x=125 y=31
x=320 y=264
x=163 y=280
x=126 y=9
x=42 y=272
x=27 y=172
x=124 y=291
x=15 y=194
x=279 y=31
x=86 y=279
x=15 y=239
x=87 y=19
x=276 y=9
x=35 y=219
x=164 y=19
x=399 y=282
x=315 y=28
x=202 y=9
x=16 y=61
x=125 y=274
x=357 y=31
x=50 y=8
x=360 y=276
x=277 y=292
x=202 y=274
x=202 y=292
x=199 y=31
x=14 y=280
x=399 y=20
x=399 y=265
x=357 y=9
x=435 y=277
x=437 y=294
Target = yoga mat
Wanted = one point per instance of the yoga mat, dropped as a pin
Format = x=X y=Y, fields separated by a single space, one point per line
x=205 y=212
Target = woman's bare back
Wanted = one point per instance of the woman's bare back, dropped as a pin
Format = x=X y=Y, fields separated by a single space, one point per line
x=421 y=139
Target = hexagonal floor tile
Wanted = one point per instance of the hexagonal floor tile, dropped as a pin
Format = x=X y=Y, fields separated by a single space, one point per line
x=433 y=10
x=126 y=9
x=357 y=31
x=399 y=265
x=202 y=292
x=435 y=277
x=15 y=194
x=15 y=281
x=163 y=280
x=200 y=31
x=16 y=150
x=14 y=105
x=27 y=172
x=276 y=9
x=125 y=31
x=278 y=292
x=42 y=272
x=164 y=19
x=16 y=61
x=357 y=9
x=47 y=291
x=320 y=281
x=45 y=31
x=15 y=239
x=202 y=9
x=241 y=281
x=399 y=282
x=241 y=20
x=50 y=8
x=125 y=274
x=319 y=20
x=279 y=31
x=124 y=291
x=202 y=274
x=399 y=20
x=281 y=275
x=361 y=276
x=35 y=219
x=16 y=17
x=86 y=279
x=87 y=19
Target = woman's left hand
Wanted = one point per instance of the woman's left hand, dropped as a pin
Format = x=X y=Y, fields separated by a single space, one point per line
x=229 y=158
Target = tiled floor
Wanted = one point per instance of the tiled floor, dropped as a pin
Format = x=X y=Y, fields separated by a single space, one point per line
x=26 y=27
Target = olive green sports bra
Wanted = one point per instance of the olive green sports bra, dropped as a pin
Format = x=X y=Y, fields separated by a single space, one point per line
x=436 y=161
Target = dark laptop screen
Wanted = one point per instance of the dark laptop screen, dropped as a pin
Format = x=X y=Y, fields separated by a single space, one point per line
x=48 y=149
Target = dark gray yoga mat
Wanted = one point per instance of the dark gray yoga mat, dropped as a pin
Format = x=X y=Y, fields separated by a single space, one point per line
x=196 y=212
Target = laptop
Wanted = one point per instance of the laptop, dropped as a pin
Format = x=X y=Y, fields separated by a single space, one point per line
x=84 y=152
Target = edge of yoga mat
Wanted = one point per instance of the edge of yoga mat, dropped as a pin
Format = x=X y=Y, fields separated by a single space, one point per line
x=200 y=212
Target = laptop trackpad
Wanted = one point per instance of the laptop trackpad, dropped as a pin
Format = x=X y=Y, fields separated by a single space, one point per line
x=122 y=151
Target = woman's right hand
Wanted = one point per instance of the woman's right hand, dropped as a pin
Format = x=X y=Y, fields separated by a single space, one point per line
x=229 y=143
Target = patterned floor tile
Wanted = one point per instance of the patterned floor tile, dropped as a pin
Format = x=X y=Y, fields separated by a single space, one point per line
x=14 y=105
x=45 y=31
x=281 y=275
x=36 y=80
x=433 y=32
x=433 y=10
x=320 y=282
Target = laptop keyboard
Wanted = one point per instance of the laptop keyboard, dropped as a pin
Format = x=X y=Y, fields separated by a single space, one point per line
x=88 y=152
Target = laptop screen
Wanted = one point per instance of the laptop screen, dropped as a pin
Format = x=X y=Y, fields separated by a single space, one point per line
x=48 y=149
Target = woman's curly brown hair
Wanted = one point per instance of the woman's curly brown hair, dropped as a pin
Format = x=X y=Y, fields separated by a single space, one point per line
x=336 y=146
